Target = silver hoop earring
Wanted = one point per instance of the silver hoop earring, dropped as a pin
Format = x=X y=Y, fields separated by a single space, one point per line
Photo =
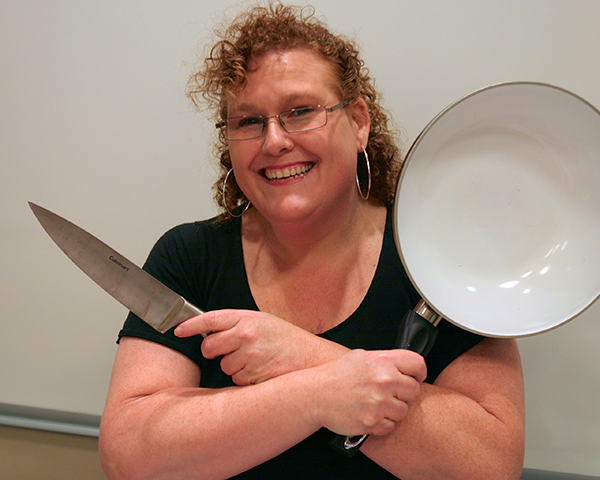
x=225 y=198
x=368 y=163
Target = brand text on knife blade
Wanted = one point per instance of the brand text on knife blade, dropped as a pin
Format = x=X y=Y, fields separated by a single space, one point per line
x=115 y=261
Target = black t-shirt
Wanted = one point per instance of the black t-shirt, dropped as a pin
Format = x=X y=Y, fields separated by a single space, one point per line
x=203 y=262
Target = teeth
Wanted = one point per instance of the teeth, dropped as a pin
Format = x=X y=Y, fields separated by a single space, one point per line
x=287 y=173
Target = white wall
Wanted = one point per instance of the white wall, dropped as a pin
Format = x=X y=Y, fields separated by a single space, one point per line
x=94 y=126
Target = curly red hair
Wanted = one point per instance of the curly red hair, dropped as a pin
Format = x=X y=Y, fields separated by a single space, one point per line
x=283 y=27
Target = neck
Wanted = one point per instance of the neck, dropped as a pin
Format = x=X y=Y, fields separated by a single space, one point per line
x=316 y=235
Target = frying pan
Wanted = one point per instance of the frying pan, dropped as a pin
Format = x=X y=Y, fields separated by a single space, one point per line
x=497 y=215
x=497 y=212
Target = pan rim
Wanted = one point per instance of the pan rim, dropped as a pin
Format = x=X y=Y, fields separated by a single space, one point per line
x=396 y=208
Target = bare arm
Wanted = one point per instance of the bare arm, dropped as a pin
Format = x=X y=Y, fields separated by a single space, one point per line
x=159 y=424
x=469 y=424
x=156 y=418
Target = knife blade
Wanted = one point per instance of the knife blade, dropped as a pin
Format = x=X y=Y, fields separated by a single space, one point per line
x=145 y=296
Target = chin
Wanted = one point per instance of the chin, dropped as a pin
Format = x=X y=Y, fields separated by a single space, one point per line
x=290 y=211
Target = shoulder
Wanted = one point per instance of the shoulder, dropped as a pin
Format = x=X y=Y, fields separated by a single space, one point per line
x=451 y=343
x=194 y=235
x=201 y=228
x=184 y=250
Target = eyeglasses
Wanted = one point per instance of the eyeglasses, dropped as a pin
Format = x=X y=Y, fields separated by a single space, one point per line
x=301 y=119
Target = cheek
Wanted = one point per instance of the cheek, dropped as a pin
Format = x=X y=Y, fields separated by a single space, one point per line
x=240 y=163
x=345 y=152
x=347 y=138
x=241 y=155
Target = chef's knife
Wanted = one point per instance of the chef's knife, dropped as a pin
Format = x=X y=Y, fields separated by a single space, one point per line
x=156 y=304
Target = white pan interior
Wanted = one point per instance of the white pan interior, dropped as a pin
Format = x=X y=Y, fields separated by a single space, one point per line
x=497 y=212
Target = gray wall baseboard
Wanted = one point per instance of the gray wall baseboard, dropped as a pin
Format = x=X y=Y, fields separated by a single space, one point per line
x=89 y=425
x=534 y=474
x=49 y=420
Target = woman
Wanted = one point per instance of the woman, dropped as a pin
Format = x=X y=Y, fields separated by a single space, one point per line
x=304 y=291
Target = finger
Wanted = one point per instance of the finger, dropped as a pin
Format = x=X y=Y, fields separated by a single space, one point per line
x=242 y=379
x=383 y=427
x=408 y=389
x=411 y=364
x=398 y=411
x=190 y=327
x=220 y=343
x=214 y=321
x=232 y=363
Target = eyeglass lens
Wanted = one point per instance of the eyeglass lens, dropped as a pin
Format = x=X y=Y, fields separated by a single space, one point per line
x=295 y=120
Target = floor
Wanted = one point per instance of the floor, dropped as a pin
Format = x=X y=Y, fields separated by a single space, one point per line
x=35 y=455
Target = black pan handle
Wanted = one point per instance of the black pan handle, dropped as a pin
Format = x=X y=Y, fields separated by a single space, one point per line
x=417 y=333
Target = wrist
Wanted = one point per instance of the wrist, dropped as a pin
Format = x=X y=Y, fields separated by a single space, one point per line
x=325 y=351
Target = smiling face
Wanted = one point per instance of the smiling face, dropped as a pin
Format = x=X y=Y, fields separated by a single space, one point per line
x=288 y=176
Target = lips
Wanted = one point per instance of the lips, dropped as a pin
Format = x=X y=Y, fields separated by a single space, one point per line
x=288 y=172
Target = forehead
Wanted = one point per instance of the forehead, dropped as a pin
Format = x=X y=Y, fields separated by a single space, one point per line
x=287 y=74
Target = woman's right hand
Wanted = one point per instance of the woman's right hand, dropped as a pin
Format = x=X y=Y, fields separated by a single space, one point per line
x=366 y=392
x=256 y=346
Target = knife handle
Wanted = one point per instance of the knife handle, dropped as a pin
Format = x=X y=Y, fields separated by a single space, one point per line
x=180 y=313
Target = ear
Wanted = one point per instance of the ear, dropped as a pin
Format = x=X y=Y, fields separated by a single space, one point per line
x=360 y=115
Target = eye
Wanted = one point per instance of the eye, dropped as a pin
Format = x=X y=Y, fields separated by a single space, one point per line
x=302 y=112
x=245 y=122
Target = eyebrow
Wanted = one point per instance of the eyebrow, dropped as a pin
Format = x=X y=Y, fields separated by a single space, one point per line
x=245 y=108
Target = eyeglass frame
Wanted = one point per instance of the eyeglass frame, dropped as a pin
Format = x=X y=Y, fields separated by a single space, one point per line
x=223 y=123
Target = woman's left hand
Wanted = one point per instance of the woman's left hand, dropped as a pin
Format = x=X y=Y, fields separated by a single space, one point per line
x=257 y=346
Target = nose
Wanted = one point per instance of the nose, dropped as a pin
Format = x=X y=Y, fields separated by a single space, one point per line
x=276 y=139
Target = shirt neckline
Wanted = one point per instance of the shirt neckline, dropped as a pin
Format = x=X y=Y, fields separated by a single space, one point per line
x=387 y=237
